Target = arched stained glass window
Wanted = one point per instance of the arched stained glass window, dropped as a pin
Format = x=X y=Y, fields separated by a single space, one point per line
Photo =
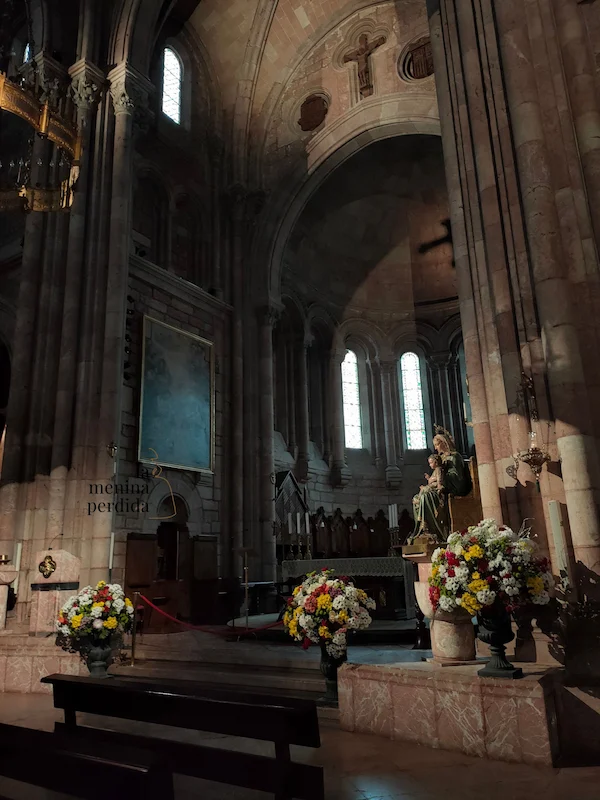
x=412 y=399
x=351 y=396
x=171 y=90
x=27 y=53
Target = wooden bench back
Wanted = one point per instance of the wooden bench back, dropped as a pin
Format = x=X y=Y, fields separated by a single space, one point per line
x=279 y=720
x=80 y=768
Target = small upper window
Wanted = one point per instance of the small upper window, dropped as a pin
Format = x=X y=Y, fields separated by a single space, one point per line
x=27 y=53
x=412 y=397
x=171 y=88
x=351 y=398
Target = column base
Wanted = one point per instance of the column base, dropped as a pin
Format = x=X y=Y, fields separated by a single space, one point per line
x=393 y=476
x=340 y=476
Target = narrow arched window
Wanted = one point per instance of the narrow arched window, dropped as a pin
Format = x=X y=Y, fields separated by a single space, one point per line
x=412 y=401
x=26 y=53
x=351 y=397
x=171 y=88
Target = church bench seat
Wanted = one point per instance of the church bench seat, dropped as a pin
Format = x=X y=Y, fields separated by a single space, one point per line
x=282 y=721
x=80 y=769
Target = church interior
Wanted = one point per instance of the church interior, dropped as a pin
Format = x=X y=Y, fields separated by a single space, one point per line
x=293 y=293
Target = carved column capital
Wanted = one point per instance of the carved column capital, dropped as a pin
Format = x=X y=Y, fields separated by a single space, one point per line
x=87 y=81
x=387 y=368
x=269 y=315
x=439 y=360
x=130 y=92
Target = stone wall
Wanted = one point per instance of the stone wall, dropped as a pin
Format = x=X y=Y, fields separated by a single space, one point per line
x=166 y=298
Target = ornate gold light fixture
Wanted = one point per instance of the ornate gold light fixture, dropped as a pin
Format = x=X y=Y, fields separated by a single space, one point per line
x=534 y=457
x=39 y=140
x=48 y=113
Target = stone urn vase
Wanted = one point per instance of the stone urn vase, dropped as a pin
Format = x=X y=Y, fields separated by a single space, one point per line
x=329 y=669
x=452 y=633
x=495 y=630
x=98 y=655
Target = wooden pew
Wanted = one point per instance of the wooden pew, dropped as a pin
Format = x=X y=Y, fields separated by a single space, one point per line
x=283 y=721
x=79 y=768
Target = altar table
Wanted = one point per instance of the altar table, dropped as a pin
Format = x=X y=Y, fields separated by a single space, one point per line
x=391 y=569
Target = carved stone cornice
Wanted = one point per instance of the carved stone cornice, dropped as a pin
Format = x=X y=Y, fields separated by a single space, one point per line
x=87 y=81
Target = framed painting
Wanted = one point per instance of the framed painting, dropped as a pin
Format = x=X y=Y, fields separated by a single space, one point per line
x=177 y=409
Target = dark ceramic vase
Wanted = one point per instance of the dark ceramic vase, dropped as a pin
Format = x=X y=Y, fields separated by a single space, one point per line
x=98 y=657
x=495 y=630
x=329 y=668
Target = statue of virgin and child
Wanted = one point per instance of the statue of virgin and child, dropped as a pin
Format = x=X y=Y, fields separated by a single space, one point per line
x=450 y=476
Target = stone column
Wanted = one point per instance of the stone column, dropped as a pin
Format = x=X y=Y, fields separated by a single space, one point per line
x=290 y=363
x=268 y=317
x=458 y=172
x=389 y=384
x=373 y=377
x=237 y=201
x=303 y=415
x=438 y=364
x=129 y=91
x=566 y=378
x=216 y=161
x=85 y=82
x=340 y=474
x=21 y=365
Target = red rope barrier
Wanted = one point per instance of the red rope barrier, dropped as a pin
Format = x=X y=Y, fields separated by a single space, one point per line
x=215 y=631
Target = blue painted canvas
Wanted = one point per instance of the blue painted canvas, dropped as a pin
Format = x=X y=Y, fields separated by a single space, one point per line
x=176 y=419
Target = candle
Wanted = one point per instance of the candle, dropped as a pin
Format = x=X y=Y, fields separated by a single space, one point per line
x=290 y=524
x=18 y=554
x=298 y=524
x=307 y=523
x=111 y=552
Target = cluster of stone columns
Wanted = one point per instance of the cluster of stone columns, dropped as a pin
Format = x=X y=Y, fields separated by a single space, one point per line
x=517 y=169
x=64 y=404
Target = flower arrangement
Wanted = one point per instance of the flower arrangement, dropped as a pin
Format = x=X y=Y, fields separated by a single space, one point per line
x=324 y=608
x=95 y=614
x=488 y=564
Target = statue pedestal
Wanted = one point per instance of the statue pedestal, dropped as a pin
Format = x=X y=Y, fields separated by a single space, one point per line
x=7 y=576
x=51 y=591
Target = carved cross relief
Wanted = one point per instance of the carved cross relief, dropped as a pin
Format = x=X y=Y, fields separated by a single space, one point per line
x=362 y=56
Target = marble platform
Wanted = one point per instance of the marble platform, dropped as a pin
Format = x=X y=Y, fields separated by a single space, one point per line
x=452 y=709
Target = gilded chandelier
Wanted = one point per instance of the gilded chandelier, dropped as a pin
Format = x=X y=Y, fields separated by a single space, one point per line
x=39 y=141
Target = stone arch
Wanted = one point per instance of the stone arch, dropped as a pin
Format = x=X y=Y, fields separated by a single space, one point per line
x=189 y=495
x=134 y=32
x=366 y=335
x=289 y=200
